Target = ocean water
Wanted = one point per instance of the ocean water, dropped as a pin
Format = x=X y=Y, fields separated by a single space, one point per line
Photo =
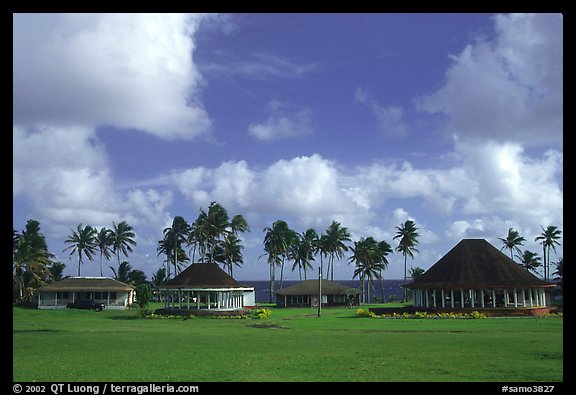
x=392 y=288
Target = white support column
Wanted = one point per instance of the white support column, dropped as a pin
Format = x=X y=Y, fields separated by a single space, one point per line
x=531 y=300
x=515 y=297
x=482 y=297
x=505 y=297
x=493 y=297
x=472 y=297
x=427 y=299
x=452 y=297
x=523 y=297
x=434 y=298
x=443 y=298
x=461 y=298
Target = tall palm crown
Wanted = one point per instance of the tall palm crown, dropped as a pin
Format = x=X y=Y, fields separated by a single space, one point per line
x=171 y=245
x=103 y=241
x=408 y=235
x=548 y=239
x=122 y=236
x=229 y=252
x=336 y=235
x=530 y=260
x=82 y=241
x=30 y=258
x=512 y=241
x=276 y=245
x=370 y=259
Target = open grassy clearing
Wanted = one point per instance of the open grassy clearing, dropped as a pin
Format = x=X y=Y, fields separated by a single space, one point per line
x=290 y=345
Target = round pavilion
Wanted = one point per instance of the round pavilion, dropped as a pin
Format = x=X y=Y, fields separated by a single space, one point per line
x=476 y=275
x=204 y=286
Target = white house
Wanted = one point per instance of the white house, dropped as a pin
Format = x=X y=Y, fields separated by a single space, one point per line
x=114 y=294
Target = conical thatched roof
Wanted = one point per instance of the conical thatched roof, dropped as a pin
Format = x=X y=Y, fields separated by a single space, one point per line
x=475 y=263
x=310 y=287
x=203 y=275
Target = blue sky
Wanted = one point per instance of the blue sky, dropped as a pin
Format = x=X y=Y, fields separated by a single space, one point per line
x=454 y=121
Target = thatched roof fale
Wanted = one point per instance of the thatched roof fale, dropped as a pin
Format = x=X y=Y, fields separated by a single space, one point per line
x=202 y=276
x=310 y=287
x=86 y=284
x=475 y=263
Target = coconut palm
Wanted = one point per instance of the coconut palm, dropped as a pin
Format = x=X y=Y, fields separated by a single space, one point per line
x=276 y=244
x=336 y=236
x=548 y=239
x=512 y=241
x=216 y=227
x=384 y=249
x=128 y=275
x=229 y=252
x=408 y=235
x=530 y=260
x=239 y=224
x=171 y=245
x=369 y=260
x=308 y=247
x=103 y=240
x=82 y=242
x=31 y=261
x=416 y=272
x=122 y=237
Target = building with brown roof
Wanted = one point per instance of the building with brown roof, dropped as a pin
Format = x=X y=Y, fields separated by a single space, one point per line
x=205 y=286
x=305 y=294
x=475 y=274
x=113 y=293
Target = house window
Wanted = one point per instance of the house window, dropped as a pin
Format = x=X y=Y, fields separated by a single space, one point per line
x=112 y=295
x=339 y=298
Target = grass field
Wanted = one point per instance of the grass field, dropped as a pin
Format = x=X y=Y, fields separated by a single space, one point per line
x=290 y=345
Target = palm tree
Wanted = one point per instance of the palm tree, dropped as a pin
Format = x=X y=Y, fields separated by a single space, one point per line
x=383 y=250
x=198 y=236
x=276 y=246
x=530 y=260
x=369 y=262
x=512 y=241
x=103 y=240
x=230 y=252
x=559 y=273
x=158 y=279
x=239 y=224
x=548 y=239
x=416 y=272
x=82 y=241
x=408 y=235
x=336 y=235
x=308 y=247
x=31 y=261
x=128 y=275
x=216 y=225
x=171 y=245
x=122 y=237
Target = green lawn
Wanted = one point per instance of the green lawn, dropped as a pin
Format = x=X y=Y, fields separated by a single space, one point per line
x=290 y=345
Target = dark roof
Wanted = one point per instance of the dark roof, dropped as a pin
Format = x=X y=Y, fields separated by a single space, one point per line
x=310 y=287
x=475 y=263
x=87 y=284
x=203 y=275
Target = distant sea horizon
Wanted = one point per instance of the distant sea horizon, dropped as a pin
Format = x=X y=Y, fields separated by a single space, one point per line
x=392 y=288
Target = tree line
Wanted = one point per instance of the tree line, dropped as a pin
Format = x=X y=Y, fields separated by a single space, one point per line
x=214 y=237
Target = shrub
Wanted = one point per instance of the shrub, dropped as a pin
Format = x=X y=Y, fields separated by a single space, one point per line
x=261 y=313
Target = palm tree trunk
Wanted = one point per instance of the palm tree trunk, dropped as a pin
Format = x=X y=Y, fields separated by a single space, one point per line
x=405 y=290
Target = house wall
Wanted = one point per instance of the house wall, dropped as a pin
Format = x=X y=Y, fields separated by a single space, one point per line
x=311 y=301
x=114 y=300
